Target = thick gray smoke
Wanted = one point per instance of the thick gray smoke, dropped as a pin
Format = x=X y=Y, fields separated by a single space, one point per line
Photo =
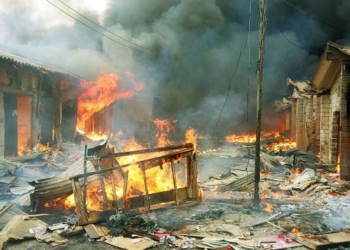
x=189 y=53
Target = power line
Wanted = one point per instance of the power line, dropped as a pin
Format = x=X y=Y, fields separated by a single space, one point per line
x=315 y=18
x=244 y=42
x=94 y=29
x=285 y=37
x=102 y=26
x=262 y=34
x=230 y=84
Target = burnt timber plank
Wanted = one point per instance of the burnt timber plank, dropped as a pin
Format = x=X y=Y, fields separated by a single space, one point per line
x=79 y=206
x=325 y=241
x=238 y=184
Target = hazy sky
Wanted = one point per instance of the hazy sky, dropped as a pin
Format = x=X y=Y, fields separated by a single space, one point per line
x=189 y=53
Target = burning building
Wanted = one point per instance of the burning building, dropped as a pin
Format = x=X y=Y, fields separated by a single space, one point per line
x=42 y=105
x=319 y=118
x=37 y=104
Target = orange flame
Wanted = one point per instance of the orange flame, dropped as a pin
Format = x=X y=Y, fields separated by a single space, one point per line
x=245 y=138
x=249 y=138
x=296 y=171
x=158 y=179
x=101 y=93
x=286 y=145
x=164 y=127
x=268 y=208
x=297 y=232
x=191 y=136
x=337 y=166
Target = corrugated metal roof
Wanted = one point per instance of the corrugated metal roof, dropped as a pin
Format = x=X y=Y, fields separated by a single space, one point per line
x=7 y=211
x=5 y=55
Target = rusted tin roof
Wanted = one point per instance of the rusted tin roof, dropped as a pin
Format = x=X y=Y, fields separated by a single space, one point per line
x=10 y=57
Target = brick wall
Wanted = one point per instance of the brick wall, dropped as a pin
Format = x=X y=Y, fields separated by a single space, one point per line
x=315 y=144
x=335 y=96
x=293 y=120
x=325 y=102
x=308 y=103
x=334 y=150
x=301 y=134
x=344 y=129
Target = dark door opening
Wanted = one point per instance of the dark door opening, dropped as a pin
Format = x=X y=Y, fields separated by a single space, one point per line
x=18 y=124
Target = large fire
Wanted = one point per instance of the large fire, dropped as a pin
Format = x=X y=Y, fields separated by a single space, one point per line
x=243 y=138
x=127 y=182
x=249 y=138
x=101 y=93
x=158 y=178
x=272 y=140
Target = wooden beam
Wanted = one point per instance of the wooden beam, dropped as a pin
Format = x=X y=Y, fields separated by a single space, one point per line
x=154 y=162
x=79 y=205
x=174 y=181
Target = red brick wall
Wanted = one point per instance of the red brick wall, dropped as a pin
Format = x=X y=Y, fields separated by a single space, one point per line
x=315 y=146
x=344 y=130
x=335 y=138
x=324 y=127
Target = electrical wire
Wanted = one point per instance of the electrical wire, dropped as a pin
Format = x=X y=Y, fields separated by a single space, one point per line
x=95 y=29
x=285 y=37
x=244 y=42
x=102 y=26
x=317 y=19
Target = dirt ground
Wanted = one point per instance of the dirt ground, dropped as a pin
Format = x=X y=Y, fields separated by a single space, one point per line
x=237 y=207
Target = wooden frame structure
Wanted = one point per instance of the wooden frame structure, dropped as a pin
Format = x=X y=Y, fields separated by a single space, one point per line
x=145 y=201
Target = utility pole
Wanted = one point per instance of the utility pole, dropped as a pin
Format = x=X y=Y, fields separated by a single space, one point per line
x=262 y=30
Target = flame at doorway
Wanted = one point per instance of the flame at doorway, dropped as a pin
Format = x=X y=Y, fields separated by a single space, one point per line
x=104 y=91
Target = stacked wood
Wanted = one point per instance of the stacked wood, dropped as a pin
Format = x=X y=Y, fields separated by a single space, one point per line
x=243 y=183
x=269 y=162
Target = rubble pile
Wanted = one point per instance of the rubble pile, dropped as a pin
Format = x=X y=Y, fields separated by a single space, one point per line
x=304 y=205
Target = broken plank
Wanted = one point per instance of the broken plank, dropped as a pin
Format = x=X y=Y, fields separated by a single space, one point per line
x=325 y=241
x=244 y=182
x=94 y=231
x=304 y=185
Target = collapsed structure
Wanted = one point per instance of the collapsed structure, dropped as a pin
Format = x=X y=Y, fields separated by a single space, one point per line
x=37 y=104
x=319 y=110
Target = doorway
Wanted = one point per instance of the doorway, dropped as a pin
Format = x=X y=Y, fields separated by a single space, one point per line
x=18 y=124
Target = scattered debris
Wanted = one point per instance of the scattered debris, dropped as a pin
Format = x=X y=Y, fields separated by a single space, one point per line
x=21 y=227
x=297 y=206
x=95 y=232
x=325 y=241
x=136 y=243
x=7 y=212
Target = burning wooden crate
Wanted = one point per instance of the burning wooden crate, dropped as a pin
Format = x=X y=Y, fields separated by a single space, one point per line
x=162 y=177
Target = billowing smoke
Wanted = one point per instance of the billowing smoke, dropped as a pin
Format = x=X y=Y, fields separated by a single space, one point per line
x=196 y=55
